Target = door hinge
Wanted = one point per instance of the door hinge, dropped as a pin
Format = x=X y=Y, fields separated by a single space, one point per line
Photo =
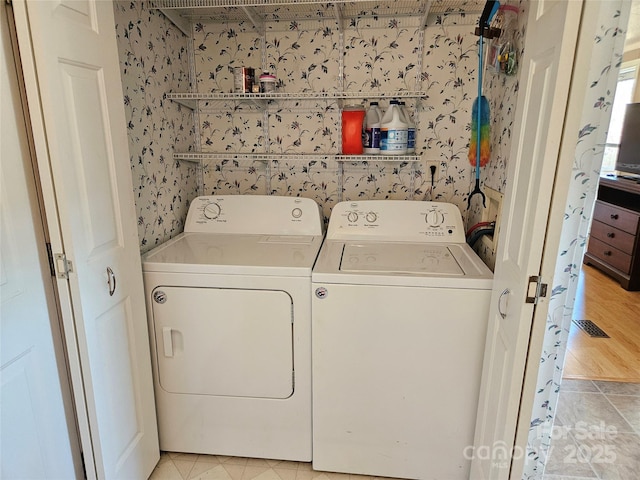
x=536 y=289
x=84 y=465
x=62 y=266
x=52 y=267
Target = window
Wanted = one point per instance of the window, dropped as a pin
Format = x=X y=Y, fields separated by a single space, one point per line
x=624 y=94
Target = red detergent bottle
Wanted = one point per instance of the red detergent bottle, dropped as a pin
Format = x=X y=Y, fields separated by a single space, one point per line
x=352 y=118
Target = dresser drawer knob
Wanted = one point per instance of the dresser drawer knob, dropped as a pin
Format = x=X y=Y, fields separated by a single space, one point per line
x=611 y=235
x=608 y=253
x=614 y=216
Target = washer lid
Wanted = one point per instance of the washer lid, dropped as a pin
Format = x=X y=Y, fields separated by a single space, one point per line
x=443 y=265
x=400 y=258
x=235 y=254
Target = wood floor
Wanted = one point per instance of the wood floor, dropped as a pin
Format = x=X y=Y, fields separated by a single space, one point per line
x=617 y=312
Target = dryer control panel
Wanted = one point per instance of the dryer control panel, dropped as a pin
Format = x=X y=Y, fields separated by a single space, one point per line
x=254 y=214
x=397 y=221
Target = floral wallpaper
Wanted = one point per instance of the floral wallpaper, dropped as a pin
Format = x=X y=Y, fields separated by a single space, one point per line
x=379 y=55
x=154 y=60
x=501 y=92
x=601 y=65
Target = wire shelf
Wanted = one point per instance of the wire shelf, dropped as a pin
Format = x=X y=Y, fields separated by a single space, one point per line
x=190 y=99
x=306 y=157
x=274 y=10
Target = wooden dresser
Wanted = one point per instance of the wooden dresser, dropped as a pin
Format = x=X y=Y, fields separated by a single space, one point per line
x=614 y=243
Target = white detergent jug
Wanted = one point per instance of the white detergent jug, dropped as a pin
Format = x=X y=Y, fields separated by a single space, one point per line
x=411 y=129
x=371 y=131
x=393 y=131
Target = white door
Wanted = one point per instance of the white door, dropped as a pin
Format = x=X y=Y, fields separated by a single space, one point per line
x=37 y=436
x=542 y=100
x=77 y=95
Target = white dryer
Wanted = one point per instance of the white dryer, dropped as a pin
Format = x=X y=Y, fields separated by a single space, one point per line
x=400 y=309
x=229 y=311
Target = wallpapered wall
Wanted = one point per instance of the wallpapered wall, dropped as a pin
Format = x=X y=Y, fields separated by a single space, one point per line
x=380 y=55
x=501 y=91
x=154 y=61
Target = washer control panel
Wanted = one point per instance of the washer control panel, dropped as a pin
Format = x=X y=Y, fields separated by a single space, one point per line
x=397 y=220
x=254 y=214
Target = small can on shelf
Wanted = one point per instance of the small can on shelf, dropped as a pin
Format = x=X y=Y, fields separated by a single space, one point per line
x=267 y=82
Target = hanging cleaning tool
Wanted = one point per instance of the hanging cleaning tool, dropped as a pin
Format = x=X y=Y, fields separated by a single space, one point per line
x=479 y=146
x=480 y=129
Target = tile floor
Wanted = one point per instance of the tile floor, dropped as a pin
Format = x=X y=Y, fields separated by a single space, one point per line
x=186 y=466
x=596 y=434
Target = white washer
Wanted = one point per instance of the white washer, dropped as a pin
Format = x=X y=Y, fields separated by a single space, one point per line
x=229 y=310
x=399 y=319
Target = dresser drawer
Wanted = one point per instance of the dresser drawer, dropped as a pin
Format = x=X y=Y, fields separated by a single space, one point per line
x=614 y=257
x=616 y=217
x=613 y=236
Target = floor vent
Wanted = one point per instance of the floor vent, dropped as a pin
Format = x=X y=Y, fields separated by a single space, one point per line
x=591 y=328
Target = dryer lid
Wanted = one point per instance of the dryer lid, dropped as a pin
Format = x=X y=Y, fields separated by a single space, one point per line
x=235 y=254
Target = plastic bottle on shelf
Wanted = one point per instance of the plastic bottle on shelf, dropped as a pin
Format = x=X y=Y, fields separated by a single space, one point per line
x=371 y=130
x=411 y=129
x=376 y=107
x=352 y=120
x=393 y=131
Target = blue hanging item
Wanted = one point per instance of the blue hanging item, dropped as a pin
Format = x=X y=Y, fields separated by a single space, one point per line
x=479 y=144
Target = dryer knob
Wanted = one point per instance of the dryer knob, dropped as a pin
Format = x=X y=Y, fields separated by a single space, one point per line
x=212 y=211
x=352 y=217
x=371 y=217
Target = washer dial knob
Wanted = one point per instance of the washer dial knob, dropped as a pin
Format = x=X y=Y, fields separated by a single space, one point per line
x=296 y=212
x=352 y=217
x=371 y=217
x=434 y=218
x=212 y=211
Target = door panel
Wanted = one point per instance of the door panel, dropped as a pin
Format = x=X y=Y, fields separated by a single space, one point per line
x=222 y=341
x=79 y=12
x=37 y=437
x=112 y=400
x=85 y=95
x=22 y=455
x=542 y=101
x=77 y=93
